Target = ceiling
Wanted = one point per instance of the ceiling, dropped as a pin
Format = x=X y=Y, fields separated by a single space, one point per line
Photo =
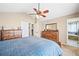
x=17 y=7
x=55 y=9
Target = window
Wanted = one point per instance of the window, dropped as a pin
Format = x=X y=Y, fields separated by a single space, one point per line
x=72 y=28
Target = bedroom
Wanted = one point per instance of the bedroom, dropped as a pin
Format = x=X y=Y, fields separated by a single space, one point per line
x=20 y=21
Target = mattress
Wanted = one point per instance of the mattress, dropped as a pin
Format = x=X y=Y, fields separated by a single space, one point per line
x=29 y=46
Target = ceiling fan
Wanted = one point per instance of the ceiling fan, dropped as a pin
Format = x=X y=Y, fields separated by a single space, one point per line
x=39 y=12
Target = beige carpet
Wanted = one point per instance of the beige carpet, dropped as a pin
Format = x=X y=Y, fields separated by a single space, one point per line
x=70 y=51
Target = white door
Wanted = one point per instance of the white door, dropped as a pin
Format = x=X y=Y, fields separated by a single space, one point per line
x=25 y=28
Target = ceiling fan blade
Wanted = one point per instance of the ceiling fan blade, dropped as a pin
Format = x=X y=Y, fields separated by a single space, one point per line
x=43 y=15
x=39 y=12
x=35 y=9
x=46 y=11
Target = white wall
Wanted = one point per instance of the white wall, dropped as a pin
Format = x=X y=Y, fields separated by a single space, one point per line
x=62 y=26
x=38 y=28
x=13 y=20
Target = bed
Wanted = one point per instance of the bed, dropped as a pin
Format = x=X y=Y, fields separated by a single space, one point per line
x=30 y=46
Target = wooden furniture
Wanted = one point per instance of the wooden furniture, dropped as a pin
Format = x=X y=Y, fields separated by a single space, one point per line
x=7 y=34
x=51 y=35
x=11 y=34
x=0 y=34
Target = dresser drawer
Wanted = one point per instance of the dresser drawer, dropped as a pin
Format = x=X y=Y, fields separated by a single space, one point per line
x=11 y=34
x=51 y=35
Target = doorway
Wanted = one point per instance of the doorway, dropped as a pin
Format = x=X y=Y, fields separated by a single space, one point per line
x=25 y=28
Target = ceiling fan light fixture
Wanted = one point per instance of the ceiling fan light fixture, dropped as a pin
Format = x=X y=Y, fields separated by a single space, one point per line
x=40 y=12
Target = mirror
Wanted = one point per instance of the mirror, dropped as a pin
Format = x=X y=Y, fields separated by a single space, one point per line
x=52 y=26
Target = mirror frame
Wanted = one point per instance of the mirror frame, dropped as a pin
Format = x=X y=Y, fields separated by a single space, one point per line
x=50 y=24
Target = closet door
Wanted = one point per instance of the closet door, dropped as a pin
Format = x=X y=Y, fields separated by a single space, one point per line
x=25 y=28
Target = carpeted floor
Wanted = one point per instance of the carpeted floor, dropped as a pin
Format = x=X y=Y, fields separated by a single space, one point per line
x=70 y=51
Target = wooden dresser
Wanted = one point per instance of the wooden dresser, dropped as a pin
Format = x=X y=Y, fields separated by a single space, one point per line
x=51 y=35
x=11 y=34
